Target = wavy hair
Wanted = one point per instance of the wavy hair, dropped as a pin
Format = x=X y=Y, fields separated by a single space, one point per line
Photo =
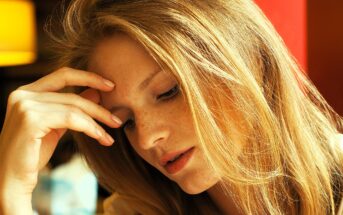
x=227 y=58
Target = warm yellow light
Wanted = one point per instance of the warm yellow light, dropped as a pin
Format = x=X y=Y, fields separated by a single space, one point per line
x=17 y=32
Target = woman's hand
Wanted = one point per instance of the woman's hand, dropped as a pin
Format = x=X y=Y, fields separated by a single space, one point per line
x=37 y=117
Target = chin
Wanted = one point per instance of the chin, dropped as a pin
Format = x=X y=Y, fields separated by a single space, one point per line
x=193 y=191
x=196 y=185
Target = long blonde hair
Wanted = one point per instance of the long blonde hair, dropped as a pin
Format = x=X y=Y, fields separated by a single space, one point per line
x=228 y=59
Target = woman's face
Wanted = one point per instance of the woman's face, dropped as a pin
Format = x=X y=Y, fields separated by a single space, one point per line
x=155 y=116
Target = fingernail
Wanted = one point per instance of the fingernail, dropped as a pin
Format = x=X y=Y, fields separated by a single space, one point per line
x=116 y=119
x=108 y=83
x=109 y=139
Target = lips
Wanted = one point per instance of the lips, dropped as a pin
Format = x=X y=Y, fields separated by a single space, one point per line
x=176 y=161
x=172 y=156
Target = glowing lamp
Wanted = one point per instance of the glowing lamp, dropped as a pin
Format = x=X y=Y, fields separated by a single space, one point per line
x=17 y=32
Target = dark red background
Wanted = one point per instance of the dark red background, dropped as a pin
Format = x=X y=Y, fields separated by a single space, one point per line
x=313 y=31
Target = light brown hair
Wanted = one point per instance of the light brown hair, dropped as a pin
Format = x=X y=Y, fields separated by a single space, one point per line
x=227 y=58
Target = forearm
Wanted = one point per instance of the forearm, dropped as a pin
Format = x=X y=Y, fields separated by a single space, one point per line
x=16 y=205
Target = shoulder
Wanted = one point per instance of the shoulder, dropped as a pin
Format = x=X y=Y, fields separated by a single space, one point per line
x=116 y=205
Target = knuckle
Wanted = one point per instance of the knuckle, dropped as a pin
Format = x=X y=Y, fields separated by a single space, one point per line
x=87 y=105
x=99 y=131
x=21 y=106
x=90 y=123
x=93 y=77
x=23 y=87
x=98 y=112
x=64 y=72
x=102 y=112
x=15 y=96
x=24 y=111
x=73 y=97
x=63 y=69
x=29 y=116
x=70 y=117
x=74 y=110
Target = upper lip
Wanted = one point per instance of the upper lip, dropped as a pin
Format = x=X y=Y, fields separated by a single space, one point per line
x=171 y=155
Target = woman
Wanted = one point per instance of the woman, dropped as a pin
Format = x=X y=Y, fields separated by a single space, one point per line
x=209 y=112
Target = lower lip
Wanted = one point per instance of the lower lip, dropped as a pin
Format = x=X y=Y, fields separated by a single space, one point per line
x=177 y=165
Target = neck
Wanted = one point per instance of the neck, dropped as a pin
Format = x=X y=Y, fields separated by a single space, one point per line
x=222 y=200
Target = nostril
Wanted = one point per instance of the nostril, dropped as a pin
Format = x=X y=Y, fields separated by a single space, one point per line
x=157 y=140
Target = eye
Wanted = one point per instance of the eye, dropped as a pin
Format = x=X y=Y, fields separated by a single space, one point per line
x=130 y=123
x=172 y=92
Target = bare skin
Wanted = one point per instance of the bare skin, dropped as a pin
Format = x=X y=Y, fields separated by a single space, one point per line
x=125 y=62
x=154 y=123
x=27 y=142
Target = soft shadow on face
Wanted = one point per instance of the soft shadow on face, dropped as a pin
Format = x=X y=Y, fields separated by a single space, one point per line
x=155 y=115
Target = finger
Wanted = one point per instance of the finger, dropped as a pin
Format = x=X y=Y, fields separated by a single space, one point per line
x=66 y=76
x=92 y=109
x=59 y=116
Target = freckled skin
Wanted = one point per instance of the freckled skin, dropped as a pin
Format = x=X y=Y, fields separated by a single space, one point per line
x=159 y=126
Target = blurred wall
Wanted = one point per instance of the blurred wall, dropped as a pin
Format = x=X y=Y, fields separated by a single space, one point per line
x=289 y=19
x=313 y=31
x=325 y=49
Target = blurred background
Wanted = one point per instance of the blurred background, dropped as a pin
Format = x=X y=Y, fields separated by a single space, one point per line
x=312 y=30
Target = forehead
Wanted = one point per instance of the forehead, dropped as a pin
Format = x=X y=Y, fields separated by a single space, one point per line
x=120 y=55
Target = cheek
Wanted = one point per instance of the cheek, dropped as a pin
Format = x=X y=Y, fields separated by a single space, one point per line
x=144 y=155
x=176 y=118
x=183 y=122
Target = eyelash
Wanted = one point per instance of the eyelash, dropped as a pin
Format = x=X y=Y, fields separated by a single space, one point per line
x=170 y=94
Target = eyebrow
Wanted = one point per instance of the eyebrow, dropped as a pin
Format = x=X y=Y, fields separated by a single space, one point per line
x=144 y=84
x=147 y=81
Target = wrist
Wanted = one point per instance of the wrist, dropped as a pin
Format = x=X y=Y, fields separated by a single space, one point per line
x=15 y=201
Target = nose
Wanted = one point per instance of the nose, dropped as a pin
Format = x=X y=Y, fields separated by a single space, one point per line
x=151 y=132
